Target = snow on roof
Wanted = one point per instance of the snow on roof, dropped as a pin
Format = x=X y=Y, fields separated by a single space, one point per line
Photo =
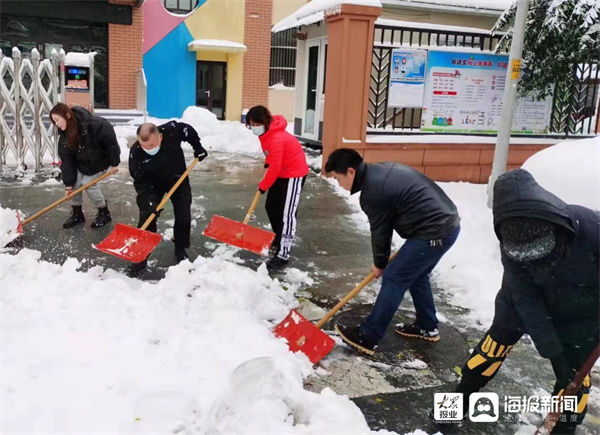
x=491 y=6
x=312 y=12
x=429 y=26
x=216 y=45
x=79 y=59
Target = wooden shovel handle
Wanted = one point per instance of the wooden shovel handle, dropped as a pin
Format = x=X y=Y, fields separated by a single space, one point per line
x=66 y=198
x=252 y=207
x=349 y=296
x=160 y=206
x=571 y=390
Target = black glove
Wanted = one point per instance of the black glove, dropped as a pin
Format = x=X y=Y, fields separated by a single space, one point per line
x=200 y=154
x=266 y=165
x=261 y=191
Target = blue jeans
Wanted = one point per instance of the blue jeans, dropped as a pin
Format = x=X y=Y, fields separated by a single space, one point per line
x=409 y=270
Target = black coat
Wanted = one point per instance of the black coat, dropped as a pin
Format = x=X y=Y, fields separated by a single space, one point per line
x=97 y=150
x=397 y=197
x=556 y=302
x=157 y=174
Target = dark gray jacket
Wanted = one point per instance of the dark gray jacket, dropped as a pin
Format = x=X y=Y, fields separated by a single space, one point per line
x=556 y=302
x=397 y=197
x=97 y=149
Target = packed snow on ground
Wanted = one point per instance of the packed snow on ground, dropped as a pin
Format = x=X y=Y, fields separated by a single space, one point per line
x=96 y=351
x=570 y=170
x=8 y=226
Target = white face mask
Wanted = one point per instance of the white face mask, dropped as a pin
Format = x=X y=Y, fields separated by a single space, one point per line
x=258 y=130
x=153 y=151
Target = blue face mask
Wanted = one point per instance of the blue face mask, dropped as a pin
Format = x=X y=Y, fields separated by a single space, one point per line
x=153 y=151
x=258 y=130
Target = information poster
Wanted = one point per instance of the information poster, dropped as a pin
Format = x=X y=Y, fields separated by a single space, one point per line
x=407 y=78
x=463 y=94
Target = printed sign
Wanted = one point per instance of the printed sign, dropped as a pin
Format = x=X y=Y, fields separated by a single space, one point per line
x=407 y=78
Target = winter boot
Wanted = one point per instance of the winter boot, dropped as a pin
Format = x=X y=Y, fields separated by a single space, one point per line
x=102 y=218
x=76 y=217
x=181 y=255
x=276 y=263
x=414 y=331
x=352 y=336
x=134 y=269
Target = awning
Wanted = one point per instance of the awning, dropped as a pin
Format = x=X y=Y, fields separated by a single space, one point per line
x=220 y=45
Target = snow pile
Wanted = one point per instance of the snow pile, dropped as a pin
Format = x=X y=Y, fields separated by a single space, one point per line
x=570 y=170
x=8 y=226
x=223 y=136
x=80 y=59
x=99 y=352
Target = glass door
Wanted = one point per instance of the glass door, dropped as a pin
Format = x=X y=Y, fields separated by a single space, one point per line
x=211 y=82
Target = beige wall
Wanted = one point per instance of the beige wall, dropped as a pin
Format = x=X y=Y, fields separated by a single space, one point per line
x=281 y=102
x=448 y=19
x=283 y=8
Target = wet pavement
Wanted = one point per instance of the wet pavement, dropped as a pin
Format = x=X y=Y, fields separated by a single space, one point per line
x=395 y=388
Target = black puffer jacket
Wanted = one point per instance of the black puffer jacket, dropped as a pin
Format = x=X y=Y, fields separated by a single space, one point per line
x=557 y=302
x=157 y=174
x=98 y=147
x=397 y=197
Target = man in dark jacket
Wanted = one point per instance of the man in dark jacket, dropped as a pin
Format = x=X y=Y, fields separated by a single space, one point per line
x=549 y=288
x=156 y=162
x=398 y=198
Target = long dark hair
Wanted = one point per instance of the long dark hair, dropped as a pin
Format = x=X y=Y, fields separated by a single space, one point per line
x=72 y=130
x=259 y=114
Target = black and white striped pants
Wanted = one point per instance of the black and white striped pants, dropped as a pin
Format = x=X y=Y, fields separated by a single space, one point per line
x=282 y=208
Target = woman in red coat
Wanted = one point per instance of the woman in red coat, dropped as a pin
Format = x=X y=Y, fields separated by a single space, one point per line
x=284 y=179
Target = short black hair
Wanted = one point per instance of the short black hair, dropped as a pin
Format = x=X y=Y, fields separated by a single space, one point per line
x=260 y=115
x=342 y=159
x=144 y=131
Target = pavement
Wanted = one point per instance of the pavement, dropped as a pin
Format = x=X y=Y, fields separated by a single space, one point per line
x=394 y=389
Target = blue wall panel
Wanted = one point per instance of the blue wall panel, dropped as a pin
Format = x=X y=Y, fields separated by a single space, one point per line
x=171 y=74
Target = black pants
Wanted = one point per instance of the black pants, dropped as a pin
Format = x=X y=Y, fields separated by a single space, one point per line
x=492 y=350
x=181 y=200
x=282 y=208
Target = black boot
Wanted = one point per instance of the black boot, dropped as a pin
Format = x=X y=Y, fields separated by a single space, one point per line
x=181 y=255
x=134 y=269
x=76 y=217
x=102 y=218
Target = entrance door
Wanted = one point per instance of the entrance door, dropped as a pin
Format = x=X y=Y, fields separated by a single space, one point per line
x=211 y=80
x=314 y=91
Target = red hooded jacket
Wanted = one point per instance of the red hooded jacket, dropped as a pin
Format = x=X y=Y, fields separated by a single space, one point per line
x=285 y=156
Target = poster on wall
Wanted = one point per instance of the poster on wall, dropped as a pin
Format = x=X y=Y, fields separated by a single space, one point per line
x=407 y=77
x=463 y=94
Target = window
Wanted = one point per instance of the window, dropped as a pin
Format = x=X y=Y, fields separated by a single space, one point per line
x=180 y=6
x=282 y=70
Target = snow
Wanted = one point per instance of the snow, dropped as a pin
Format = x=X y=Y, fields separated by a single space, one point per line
x=79 y=59
x=429 y=26
x=96 y=351
x=8 y=226
x=470 y=5
x=313 y=12
x=282 y=87
x=570 y=170
x=216 y=44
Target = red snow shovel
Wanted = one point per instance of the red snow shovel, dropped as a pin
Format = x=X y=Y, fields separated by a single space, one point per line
x=135 y=244
x=56 y=204
x=306 y=337
x=240 y=234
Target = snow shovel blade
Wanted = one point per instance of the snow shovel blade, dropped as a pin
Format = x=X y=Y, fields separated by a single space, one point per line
x=303 y=336
x=239 y=234
x=129 y=243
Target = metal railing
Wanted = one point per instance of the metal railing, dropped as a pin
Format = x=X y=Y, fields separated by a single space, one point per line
x=574 y=104
x=29 y=88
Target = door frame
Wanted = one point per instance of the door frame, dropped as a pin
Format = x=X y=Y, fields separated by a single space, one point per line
x=210 y=84
x=315 y=42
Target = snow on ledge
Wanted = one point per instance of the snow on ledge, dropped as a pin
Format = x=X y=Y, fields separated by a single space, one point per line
x=447 y=138
x=79 y=59
x=217 y=45
x=313 y=12
x=430 y=26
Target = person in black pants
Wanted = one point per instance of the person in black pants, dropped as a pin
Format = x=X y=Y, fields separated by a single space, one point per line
x=156 y=162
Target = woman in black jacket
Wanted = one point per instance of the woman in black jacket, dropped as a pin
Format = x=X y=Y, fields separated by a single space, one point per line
x=87 y=147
